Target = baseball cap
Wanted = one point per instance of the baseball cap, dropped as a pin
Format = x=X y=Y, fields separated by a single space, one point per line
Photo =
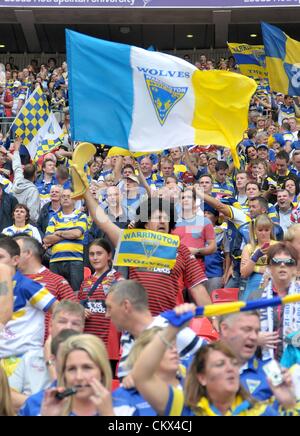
x=133 y=178
x=262 y=146
x=17 y=84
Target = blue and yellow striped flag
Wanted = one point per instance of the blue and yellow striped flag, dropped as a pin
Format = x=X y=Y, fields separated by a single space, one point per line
x=227 y=308
x=146 y=249
x=251 y=59
x=282 y=59
x=31 y=117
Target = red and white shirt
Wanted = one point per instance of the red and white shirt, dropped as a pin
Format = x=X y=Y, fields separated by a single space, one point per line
x=57 y=285
x=163 y=285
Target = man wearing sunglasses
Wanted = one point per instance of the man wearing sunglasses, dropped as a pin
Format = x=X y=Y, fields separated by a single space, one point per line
x=282 y=264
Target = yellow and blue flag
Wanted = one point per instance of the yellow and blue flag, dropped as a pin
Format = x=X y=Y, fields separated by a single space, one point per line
x=32 y=116
x=146 y=101
x=146 y=249
x=282 y=59
x=37 y=126
x=251 y=59
x=227 y=308
x=49 y=138
x=48 y=145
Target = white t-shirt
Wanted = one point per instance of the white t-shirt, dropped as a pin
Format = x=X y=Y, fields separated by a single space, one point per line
x=31 y=375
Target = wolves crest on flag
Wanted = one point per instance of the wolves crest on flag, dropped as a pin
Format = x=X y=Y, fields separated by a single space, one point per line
x=164 y=97
x=150 y=248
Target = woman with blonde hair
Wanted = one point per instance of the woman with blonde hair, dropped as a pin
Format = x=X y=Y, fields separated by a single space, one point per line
x=85 y=371
x=169 y=370
x=6 y=407
x=254 y=255
x=212 y=387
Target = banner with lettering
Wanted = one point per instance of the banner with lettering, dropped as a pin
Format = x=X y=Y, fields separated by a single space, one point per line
x=146 y=249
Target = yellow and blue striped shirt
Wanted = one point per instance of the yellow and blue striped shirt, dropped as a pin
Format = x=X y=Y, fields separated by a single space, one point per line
x=67 y=249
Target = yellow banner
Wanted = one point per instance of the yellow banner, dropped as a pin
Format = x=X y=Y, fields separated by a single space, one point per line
x=141 y=248
x=251 y=59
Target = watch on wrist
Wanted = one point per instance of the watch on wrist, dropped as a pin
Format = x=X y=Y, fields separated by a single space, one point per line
x=293 y=340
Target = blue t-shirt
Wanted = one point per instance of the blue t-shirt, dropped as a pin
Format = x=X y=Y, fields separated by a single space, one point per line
x=33 y=404
x=214 y=263
x=133 y=402
x=254 y=380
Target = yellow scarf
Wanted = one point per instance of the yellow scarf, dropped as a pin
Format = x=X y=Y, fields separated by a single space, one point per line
x=239 y=407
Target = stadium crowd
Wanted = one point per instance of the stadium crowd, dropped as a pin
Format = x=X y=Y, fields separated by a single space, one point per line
x=80 y=323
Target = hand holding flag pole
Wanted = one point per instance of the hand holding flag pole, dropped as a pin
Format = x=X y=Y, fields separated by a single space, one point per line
x=227 y=308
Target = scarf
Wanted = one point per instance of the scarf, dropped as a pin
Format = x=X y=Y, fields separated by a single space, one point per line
x=239 y=407
x=291 y=316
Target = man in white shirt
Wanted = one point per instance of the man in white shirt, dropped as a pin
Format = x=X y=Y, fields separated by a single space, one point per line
x=285 y=209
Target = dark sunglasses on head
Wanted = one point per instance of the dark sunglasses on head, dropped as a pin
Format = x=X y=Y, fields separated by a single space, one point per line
x=288 y=261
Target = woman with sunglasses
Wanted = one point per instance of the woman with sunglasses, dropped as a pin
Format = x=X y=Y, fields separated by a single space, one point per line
x=282 y=264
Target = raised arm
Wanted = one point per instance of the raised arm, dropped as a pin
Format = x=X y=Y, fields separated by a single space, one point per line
x=142 y=179
x=117 y=172
x=97 y=213
x=16 y=162
x=214 y=202
x=101 y=219
x=6 y=295
x=152 y=388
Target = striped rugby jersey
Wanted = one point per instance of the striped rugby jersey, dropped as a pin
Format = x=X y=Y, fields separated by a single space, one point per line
x=25 y=331
x=67 y=249
x=163 y=285
x=28 y=229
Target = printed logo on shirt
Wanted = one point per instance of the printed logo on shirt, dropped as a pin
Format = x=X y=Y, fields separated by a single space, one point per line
x=253 y=385
x=96 y=306
x=156 y=270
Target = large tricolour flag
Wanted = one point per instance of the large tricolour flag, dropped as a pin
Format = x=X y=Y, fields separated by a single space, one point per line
x=141 y=100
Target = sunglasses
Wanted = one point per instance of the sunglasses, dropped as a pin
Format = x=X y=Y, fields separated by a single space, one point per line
x=288 y=261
